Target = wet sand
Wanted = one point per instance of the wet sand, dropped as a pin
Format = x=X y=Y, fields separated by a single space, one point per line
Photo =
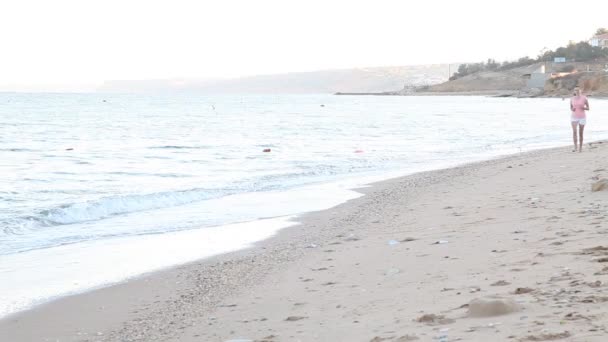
x=513 y=249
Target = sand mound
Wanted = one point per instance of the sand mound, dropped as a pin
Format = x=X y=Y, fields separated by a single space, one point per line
x=492 y=307
x=600 y=185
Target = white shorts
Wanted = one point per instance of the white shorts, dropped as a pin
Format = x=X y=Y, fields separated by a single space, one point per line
x=580 y=121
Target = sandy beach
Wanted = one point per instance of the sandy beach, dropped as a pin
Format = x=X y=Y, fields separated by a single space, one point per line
x=512 y=249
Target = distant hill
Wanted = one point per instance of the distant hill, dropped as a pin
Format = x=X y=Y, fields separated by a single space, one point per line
x=510 y=79
x=377 y=79
x=591 y=76
x=554 y=73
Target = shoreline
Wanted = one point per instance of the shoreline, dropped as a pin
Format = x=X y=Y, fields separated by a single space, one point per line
x=182 y=299
x=496 y=93
x=290 y=221
x=349 y=186
x=488 y=93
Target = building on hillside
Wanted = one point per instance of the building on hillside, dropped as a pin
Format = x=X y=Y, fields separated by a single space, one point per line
x=537 y=78
x=599 y=40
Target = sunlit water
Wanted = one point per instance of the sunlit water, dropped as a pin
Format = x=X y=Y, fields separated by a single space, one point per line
x=98 y=188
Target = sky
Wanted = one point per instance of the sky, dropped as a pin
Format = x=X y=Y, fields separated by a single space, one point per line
x=69 y=43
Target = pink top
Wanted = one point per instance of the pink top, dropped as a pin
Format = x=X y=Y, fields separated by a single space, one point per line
x=578 y=103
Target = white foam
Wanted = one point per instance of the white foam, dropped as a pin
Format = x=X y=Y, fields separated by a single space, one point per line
x=38 y=276
x=114 y=205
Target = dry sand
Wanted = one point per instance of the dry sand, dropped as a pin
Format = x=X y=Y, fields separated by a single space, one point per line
x=513 y=249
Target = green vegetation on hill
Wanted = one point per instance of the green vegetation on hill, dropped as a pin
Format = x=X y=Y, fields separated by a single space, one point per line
x=576 y=52
x=601 y=31
x=579 y=52
x=490 y=65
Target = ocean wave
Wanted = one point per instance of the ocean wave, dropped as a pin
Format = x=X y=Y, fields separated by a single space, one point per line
x=17 y=150
x=110 y=206
x=179 y=147
x=118 y=205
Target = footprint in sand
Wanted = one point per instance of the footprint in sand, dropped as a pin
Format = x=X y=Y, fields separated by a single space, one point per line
x=575 y=316
x=548 y=336
x=523 y=290
x=595 y=284
x=595 y=251
x=604 y=271
x=432 y=319
x=380 y=339
x=352 y=237
x=500 y=283
x=594 y=299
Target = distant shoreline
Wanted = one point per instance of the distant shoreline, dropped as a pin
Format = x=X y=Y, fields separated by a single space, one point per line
x=490 y=93
x=497 y=93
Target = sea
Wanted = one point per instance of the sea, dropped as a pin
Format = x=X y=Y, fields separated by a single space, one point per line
x=99 y=188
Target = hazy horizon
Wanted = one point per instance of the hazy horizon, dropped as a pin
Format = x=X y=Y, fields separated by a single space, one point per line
x=69 y=45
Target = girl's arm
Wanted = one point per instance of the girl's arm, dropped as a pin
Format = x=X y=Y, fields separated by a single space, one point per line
x=586 y=104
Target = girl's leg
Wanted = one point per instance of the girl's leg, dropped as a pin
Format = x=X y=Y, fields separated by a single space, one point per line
x=581 y=130
x=574 y=138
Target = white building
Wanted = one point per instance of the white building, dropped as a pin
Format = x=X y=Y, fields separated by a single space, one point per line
x=599 y=40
